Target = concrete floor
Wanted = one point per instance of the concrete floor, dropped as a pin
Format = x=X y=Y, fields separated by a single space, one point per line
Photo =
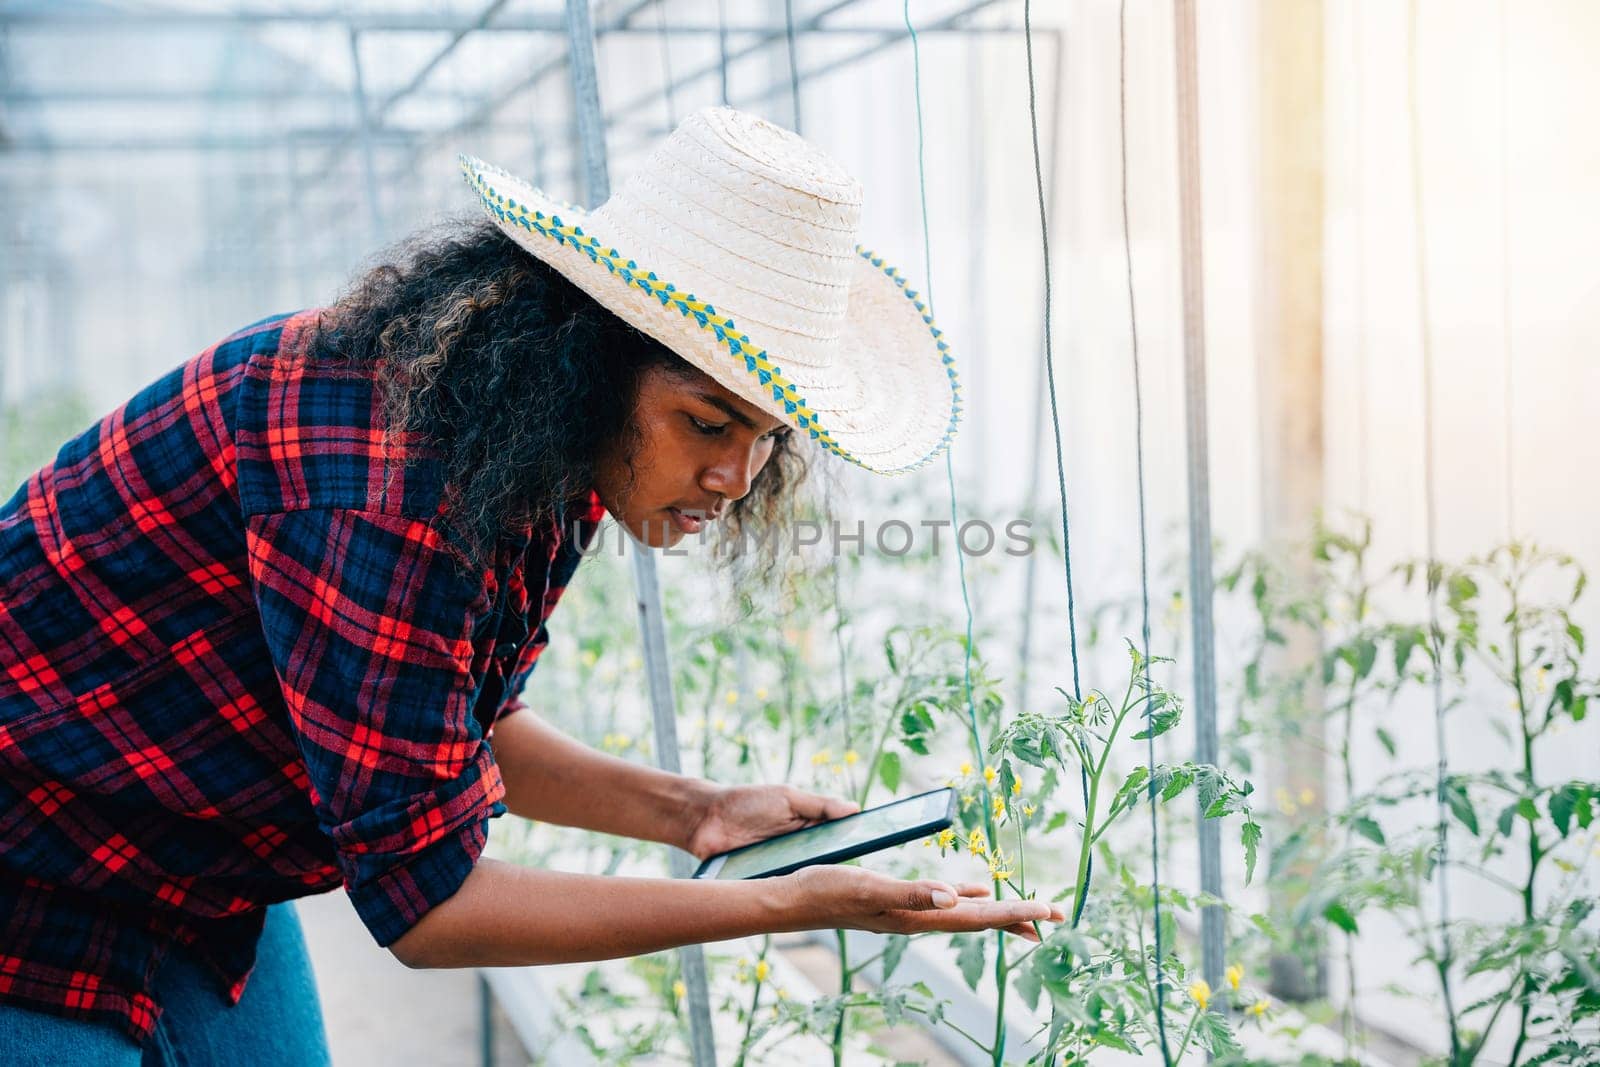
x=379 y=1012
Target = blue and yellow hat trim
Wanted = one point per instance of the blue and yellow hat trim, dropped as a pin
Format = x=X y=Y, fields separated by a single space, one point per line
x=756 y=359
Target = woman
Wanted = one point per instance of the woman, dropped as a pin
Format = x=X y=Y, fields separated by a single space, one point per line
x=264 y=627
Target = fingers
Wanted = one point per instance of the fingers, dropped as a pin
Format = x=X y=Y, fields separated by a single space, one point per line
x=972 y=889
x=814 y=808
x=972 y=915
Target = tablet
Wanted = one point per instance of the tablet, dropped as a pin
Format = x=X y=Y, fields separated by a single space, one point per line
x=855 y=835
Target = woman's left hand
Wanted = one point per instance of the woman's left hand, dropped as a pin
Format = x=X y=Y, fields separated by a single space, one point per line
x=737 y=815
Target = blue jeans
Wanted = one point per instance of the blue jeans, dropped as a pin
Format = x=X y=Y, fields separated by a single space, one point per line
x=277 y=1021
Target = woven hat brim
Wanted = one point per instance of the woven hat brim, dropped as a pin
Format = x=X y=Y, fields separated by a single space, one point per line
x=889 y=414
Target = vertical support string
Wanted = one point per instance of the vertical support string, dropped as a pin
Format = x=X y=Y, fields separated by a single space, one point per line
x=1055 y=413
x=1434 y=569
x=997 y=1049
x=1144 y=577
x=1043 y=387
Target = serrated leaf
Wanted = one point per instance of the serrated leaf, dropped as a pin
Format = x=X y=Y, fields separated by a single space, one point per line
x=1250 y=835
x=970 y=957
x=1161 y=721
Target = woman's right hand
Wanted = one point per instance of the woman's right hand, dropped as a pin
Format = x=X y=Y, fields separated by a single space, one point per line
x=858 y=899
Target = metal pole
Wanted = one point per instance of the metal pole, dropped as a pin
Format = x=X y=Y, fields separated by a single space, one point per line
x=369 y=165
x=1213 y=934
x=647 y=588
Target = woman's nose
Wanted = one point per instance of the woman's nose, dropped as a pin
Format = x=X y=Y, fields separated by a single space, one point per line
x=731 y=474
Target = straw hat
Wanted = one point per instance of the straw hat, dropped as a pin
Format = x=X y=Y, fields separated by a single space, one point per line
x=735 y=246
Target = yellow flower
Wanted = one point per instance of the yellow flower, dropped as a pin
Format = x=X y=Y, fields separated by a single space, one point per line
x=719 y=724
x=999 y=865
x=762 y=970
x=821 y=757
x=1259 y=1008
x=731 y=697
x=976 y=844
x=783 y=994
x=966 y=769
x=1016 y=787
x=966 y=800
x=761 y=693
x=1307 y=797
x=1200 y=993
x=1028 y=809
x=998 y=806
x=1540 y=684
x=851 y=757
x=989 y=775
x=946 y=838
x=1235 y=976
x=679 y=990
x=589 y=658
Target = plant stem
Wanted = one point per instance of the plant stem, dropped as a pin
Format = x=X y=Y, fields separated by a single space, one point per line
x=755 y=1000
x=1187 y=1033
x=846 y=983
x=1535 y=846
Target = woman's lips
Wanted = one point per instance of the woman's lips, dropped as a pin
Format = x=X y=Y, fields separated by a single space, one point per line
x=689 y=524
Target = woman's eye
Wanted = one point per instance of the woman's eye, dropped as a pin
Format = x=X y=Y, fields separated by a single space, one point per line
x=707 y=428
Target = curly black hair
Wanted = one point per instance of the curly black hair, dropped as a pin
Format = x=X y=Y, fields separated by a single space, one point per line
x=519 y=379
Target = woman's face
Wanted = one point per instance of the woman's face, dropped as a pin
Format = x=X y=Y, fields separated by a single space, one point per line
x=698 y=448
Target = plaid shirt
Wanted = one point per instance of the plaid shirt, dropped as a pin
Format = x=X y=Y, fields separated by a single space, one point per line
x=237 y=666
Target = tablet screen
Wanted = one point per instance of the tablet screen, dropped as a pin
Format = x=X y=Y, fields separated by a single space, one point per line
x=830 y=837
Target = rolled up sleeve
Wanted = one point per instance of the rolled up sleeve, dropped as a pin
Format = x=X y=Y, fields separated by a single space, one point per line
x=369 y=625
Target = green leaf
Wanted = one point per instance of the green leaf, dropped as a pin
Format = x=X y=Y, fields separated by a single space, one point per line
x=1163 y=719
x=970 y=957
x=1007 y=779
x=1386 y=740
x=889 y=770
x=1503 y=822
x=1368 y=828
x=893 y=950
x=1028 y=986
x=1213 y=1032
x=1251 y=837
x=1404 y=641
x=1340 y=916
x=1564 y=801
x=1460 y=804
x=1366 y=656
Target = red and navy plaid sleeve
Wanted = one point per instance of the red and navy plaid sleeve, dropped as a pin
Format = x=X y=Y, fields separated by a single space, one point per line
x=238 y=666
x=369 y=624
